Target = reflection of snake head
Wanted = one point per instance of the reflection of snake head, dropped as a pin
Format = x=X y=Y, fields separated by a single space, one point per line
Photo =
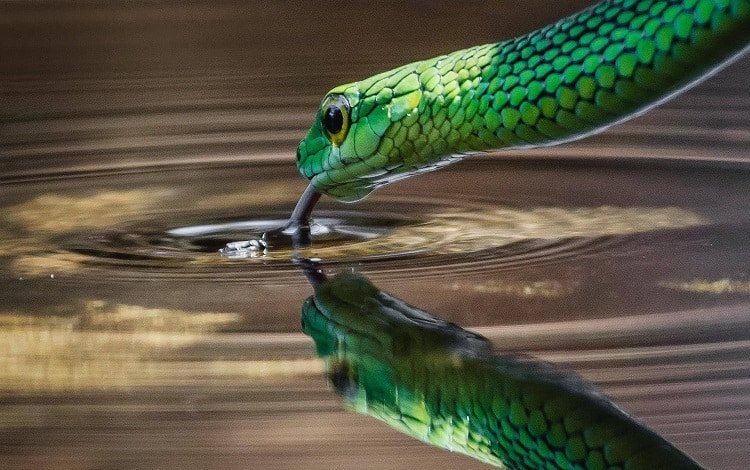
x=371 y=340
x=444 y=385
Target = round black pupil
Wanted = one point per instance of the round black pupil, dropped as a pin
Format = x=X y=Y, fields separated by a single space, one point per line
x=333 y=120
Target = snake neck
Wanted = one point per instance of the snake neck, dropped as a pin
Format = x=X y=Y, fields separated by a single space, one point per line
x=568 y=79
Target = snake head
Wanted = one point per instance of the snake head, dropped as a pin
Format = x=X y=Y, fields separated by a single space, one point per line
x=352 y=146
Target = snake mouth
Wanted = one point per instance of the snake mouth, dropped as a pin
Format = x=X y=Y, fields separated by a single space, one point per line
x=336 y=173
x=351 y=190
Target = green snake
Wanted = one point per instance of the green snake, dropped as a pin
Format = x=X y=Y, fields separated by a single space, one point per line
x=561 y=82
x=429 y=378
x=446 y=386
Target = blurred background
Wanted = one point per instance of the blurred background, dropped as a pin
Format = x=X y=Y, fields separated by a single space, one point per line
x=138 y=137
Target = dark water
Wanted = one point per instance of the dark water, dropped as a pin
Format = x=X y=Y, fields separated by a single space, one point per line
x=136 y=139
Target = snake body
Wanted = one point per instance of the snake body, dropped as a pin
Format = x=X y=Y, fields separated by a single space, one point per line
x=446 y=386
x=561 y=82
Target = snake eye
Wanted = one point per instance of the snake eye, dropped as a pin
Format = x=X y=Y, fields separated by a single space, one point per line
x=343 y=380
x=335 y=118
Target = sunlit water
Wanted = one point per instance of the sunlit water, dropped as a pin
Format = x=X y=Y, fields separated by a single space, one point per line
x=127 y=340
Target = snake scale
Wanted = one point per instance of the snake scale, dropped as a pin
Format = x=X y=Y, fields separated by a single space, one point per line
x=561 y=82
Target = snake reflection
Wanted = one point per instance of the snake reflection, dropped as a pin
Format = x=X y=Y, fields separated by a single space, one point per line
x=446 y=386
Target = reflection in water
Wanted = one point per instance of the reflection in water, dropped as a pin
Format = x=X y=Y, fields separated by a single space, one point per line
x=444 y=385
x=720 y=286
x=124 y=337
x=97 y=346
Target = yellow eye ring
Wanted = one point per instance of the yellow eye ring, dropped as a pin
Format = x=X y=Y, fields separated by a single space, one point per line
x=334 y=118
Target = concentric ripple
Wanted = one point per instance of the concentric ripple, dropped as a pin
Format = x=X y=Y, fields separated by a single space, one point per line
x=474 y=238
